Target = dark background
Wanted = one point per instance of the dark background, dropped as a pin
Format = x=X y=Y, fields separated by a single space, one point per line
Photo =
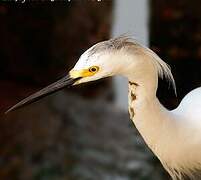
x=176 y=36
x=77 y=134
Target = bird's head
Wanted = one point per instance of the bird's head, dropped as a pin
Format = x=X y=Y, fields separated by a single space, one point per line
x=104 y=59
x=119 y=56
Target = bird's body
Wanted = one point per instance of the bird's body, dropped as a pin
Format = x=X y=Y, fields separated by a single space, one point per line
x=173 y=136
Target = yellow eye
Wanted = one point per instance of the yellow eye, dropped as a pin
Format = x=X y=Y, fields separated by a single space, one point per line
x=93 y=69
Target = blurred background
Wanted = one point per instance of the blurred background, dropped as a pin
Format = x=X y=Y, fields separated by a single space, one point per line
x=84 y=133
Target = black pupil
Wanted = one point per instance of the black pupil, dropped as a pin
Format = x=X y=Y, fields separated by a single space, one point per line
x=93 y=69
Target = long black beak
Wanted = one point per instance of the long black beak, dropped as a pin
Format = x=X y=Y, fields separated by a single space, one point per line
x=60 y=84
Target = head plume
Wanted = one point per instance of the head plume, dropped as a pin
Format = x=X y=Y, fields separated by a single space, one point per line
x=125 y=42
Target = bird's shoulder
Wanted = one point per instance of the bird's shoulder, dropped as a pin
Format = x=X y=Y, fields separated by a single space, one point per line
x=190 y=105
x=192 y=98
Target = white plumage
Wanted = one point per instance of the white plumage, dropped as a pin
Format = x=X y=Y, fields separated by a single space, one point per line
x=173 y=136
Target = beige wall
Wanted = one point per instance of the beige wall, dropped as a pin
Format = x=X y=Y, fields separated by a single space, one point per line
x=130 y=17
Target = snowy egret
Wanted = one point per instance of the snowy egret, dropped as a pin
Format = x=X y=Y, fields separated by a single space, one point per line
x=173 y=136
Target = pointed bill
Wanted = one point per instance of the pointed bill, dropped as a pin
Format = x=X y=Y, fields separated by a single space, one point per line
x=60 y=84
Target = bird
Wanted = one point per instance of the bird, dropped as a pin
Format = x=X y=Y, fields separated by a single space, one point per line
x=174 y=136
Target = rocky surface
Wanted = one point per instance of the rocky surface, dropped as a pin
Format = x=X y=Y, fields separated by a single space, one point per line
x=66 y=137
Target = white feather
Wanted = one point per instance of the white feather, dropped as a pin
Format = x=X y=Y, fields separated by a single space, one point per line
x=174 y=136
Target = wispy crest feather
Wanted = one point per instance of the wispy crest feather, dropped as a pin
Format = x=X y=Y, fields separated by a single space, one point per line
x=164 y=70
x=123 y=41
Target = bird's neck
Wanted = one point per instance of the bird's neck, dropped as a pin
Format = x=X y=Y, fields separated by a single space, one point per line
x=152 y=120
x=163 y=131
x=145 y=111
